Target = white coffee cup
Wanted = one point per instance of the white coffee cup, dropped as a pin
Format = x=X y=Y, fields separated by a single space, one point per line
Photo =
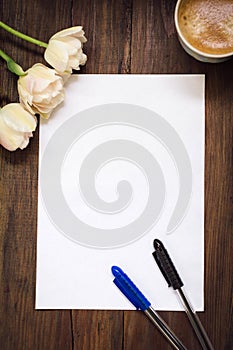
x=197 y=51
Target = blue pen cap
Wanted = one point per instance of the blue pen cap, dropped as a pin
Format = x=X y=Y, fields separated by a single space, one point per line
x=128 y=288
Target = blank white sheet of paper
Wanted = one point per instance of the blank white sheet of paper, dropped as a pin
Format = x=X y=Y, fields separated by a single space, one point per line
x=121 y=163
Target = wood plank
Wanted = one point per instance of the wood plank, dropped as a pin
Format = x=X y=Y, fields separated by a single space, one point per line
x=218 y=203
x=21 y=326
x=140 y=333
x=160 y=52
x=107 y=26
x=153 y=45
x=97 y=329
x=123 y=37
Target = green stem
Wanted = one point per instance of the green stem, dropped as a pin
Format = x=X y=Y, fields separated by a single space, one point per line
x=5 y=56
x=12 y=65
x=22 y=36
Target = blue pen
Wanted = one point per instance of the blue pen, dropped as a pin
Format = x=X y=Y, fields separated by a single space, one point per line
x=133 y=294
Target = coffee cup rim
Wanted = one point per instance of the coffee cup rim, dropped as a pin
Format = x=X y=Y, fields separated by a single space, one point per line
x=191 y=47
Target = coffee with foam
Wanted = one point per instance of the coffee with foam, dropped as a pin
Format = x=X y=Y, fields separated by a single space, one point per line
x=207 y=25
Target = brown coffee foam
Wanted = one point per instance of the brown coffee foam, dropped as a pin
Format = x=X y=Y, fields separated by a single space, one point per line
x=207 y=25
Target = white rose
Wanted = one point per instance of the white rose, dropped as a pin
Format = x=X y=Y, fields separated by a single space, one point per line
x=41 y=90
x=64 y=51
x=16 y=126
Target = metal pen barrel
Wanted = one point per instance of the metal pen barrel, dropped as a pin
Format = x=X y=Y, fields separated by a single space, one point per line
x=135 y=296
x=196 y=323
x=164 y=329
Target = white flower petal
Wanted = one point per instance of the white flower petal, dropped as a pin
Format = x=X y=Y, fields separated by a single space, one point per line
x=25 y=140
x=17 y=118
x=44 y=107
x=72 y=44
x=44 y=86
x=77 y=30
x=63 y=46
x=28 y=106
x=10 y=135
x=56 y=55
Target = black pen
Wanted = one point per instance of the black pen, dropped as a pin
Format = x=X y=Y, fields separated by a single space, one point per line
x=173 y=279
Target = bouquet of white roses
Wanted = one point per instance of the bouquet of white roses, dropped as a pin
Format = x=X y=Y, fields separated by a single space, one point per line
x=40 y=88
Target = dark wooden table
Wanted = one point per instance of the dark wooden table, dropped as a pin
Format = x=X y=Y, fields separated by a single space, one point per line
x=132 y=37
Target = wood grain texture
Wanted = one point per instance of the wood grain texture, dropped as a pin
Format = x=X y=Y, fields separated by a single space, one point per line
x=21 y=327
x=123 y=37
x=108 y=29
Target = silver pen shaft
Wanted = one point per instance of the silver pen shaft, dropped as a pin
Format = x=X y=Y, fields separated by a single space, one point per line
x=164 y=329
x=195 y=322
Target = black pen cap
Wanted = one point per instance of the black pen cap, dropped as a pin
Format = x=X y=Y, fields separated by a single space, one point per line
x=166 y=265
